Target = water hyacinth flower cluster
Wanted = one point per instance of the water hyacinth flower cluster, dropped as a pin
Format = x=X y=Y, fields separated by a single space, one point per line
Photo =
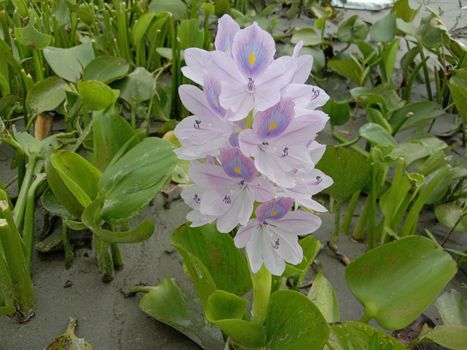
x=251 y=143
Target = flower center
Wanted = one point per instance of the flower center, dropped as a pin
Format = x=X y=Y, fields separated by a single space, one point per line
x=251 y=85
x=252 y=58
x=272 y=126
x=238 y=170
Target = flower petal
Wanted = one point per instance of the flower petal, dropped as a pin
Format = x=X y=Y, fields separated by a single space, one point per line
x=196 y=62
x=195 y=101
x=273 y=210
x=226 y=30
x=245 y=233
x=262 y=189
x=273 y=121
x=272 y=260
x=298 y=223
x=253 y=50
x=236 y=165
x=254 y=250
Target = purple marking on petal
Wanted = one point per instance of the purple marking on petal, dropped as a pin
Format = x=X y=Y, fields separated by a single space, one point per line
x=273 y=121
x=236 y=165
x=212 y=89
x=273 y=210
x=253 y=50
x=226 y=30
x=233 y=139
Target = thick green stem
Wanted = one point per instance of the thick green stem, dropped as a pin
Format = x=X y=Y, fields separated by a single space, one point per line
x=337 y=220
x=18 y=212
x=116 y=256
x=104 y=259
x=261 y=291
x=365 y=318
x=425 y=72
x=350 y=211
x=67 y=246
x=29 y=218
x=13 y=249
x=6 y=285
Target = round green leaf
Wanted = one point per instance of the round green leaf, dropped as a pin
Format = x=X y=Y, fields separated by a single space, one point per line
x=131 y=181
x=30 y=36
x=168 y=304
x=356 y=335
x=384 y=30
x=96 y=95
x=46 y=95
x=106 y=69
x=137 y=86
x=224 y=266
x=349 y=170
x=450 y=213
x=323 y=296
x=376 y=134
x=309 y=36
x=452 y=307
x=396 y=282
x=69 y=63
x=352 y=29
x=294 y=322
x=338 y=111
x=450 y=337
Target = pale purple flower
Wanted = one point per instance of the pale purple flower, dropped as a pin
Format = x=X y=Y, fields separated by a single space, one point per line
x=192 y=196
x=308 y=184
x=272 y=237
x=226 y=30
x=251 y=78
x=279 y=141
x=198 y=60
x=230 y=190
x=208 y=130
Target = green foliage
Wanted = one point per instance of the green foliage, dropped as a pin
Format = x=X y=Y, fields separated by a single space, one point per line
x=322 y=294
x=294 y=322
x=46 y=95
x=399 y=280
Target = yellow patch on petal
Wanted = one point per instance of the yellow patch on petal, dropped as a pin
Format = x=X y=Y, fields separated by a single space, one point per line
x=252 y=58
x=237 y=170
x=273 y=213
x=272 y=126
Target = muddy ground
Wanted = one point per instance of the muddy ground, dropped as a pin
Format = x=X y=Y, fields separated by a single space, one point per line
x=110 y=321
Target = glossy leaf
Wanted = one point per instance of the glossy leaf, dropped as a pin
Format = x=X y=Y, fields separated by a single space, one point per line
x=46 y=95
x=137 y=87
x=338 y=111
x=452 y=213
x=415 y=114
x=388 y=58
x=458 y=88
x=347 y=67
x=384 y=30
x=450 y=337
x=322 y=294
x=309 y=36
x=376 y=134
x=69 y=63
x=30 y=36
x=110 y=133
x=73 y=180
x=403 y=10
x=311 y=247
x=432 y=33
x=168 y=304
x=212 y=260
x=130 y=182
x=349 y=170
x=396 y=282
x=294 y=322
x=352 y=29
x=96 y=95
x=106 y=69
x=226 y=310
x=177 y=8
x=357 y=335
x=452 y=307
x=54 y=207
x=417 y=148
x=91 y=217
